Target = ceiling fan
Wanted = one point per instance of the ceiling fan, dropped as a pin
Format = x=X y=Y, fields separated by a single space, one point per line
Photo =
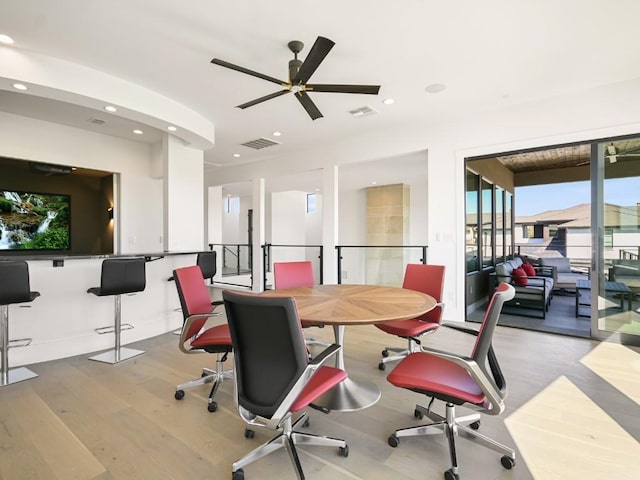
x=299 y=74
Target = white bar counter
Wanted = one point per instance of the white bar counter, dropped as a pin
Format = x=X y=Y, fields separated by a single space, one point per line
x=62 y=321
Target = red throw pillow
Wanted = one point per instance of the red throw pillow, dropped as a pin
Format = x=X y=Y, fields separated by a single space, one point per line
x=528 y=269
x=519 y=277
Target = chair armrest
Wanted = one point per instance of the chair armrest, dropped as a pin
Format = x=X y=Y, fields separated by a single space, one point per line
x=547 y=271
x=324 y=354
x=493 y=404
x=187 y=325
x=309 y=371
x=470 y=331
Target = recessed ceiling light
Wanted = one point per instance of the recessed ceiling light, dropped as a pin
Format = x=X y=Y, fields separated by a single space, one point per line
x=138 y=132
x=236 y=155
x=19 y=86
x=388 y=101
x=6 y=39
x=110 y=108
x=435 y=88
x=171 y=128
x=277 y=134
x=374 y=183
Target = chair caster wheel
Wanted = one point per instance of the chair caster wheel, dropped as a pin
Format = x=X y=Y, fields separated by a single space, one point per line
x=393 y=441
x=475 y=425
x=507 y=462
x=343 y=451
x=212 y=407
x=179 y=395
x=238 y=475
x=419 y=415
x=248 y=433
x=385 y=353
x=381 y=366
x=449 y=475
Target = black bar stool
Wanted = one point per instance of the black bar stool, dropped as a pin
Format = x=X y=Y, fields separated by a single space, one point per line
x=14 y=288
x=119 y=275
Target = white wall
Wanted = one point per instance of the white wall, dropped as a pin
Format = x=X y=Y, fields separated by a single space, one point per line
x=183 y=196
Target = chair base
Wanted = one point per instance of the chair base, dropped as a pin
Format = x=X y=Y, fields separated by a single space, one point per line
x=400 y=353
x=16 y=375
x=216 y=377
x=450 y=425
x=116 y=356
x=288 y=438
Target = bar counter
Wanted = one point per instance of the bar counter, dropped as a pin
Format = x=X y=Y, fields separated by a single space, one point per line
x=62 y=321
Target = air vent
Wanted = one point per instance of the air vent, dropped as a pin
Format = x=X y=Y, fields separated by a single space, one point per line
x=363 y=111
x=97 y=121
x=259 y=143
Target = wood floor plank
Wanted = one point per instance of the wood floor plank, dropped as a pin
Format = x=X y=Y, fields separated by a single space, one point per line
x=66 y=456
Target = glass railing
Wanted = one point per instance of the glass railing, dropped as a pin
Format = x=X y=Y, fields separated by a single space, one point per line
x=377 y=265
x=291 y=253
x=236 y=263
x=356 y=264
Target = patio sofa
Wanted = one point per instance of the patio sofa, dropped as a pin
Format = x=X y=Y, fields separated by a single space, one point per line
x=627 y=272
x=564 y=277
x=532 y=294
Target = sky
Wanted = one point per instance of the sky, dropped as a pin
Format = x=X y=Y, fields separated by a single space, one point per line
x=540 y=198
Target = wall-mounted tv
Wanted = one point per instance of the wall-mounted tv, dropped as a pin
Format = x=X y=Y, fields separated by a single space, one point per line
x=34 y=221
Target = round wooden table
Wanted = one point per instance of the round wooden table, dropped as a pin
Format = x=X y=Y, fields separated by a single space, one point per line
x=342 y=305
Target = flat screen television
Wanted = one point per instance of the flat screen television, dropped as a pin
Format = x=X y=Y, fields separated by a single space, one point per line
x=34 y=221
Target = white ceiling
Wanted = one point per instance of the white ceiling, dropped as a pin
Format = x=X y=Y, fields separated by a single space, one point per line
x=490 y=55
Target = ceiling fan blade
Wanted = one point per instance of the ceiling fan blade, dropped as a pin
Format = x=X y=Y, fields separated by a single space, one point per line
x=367 y=89
x=263 y=99
x=320 y=49
x=308 y=105
x=222 y=63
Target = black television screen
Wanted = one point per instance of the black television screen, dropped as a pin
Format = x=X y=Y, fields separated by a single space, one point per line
x=34 y=221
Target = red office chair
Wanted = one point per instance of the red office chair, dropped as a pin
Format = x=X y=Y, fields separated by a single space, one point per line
x=194 y=337
x=427 y=279
x=297 y=274
x=476 y=382
x=274 y=376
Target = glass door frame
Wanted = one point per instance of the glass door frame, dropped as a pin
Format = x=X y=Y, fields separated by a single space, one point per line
x=598 y=279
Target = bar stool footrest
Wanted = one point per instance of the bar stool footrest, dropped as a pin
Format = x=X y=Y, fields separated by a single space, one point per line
x=114 y=356
x=16 y=375
x=112 y=329
x=20 y=342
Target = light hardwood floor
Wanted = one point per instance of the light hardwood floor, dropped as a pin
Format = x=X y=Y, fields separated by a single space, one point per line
x=87 y=420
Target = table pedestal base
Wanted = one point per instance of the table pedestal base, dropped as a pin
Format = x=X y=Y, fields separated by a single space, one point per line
x=349 y=396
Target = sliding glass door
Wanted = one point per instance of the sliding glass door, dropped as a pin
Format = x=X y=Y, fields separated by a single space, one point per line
x=615 y=173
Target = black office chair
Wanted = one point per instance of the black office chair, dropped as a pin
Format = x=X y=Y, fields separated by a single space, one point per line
x=474 y=381
x=207 y=261
x=14 y=288
x=119 y=276
x=274 y=376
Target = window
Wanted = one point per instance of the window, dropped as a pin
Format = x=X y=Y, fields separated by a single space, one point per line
x=311 y=203
x=472 y=205
x=488 y=223
x=232 y=204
